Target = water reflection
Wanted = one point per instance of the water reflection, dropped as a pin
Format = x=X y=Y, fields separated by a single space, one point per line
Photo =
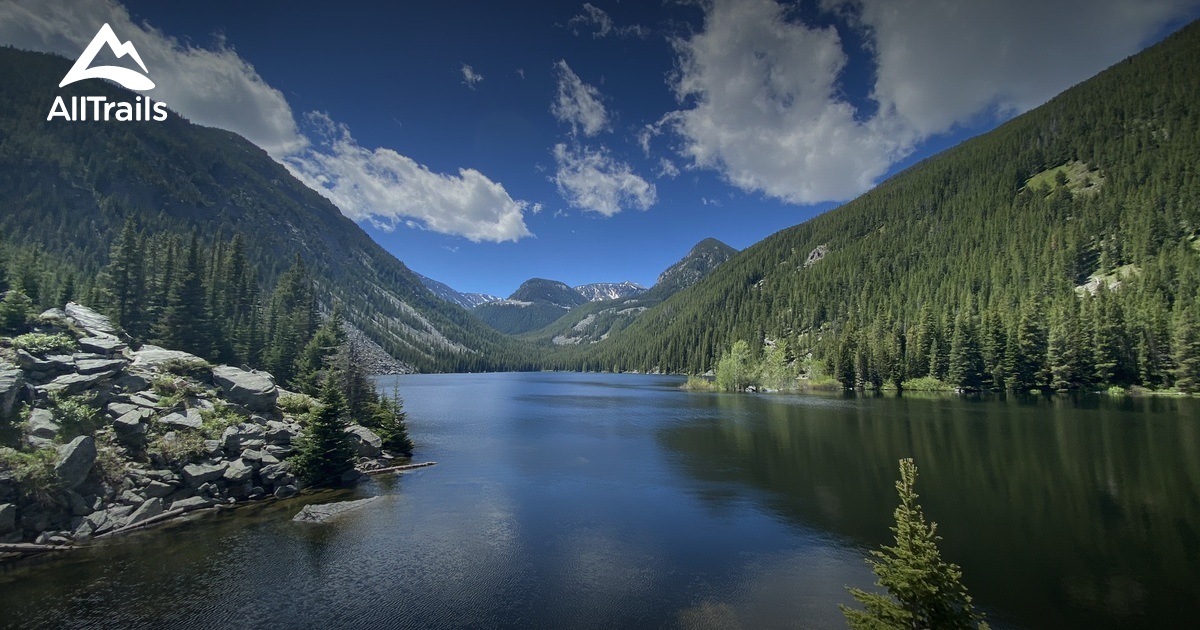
x=1063 y=512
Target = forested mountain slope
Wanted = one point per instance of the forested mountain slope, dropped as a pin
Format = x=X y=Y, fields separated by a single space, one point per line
x=1059 y=250
x=66 y=189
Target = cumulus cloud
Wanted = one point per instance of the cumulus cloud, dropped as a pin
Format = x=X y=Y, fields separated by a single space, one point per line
x=763 y=103
x=470 y=77
x=601 y=24
x=385 y=188
x=577 y=103
x=595 y=181
x=210 y=86
x=216 y=87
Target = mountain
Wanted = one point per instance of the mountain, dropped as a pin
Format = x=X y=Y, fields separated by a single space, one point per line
x=465 y=300
x=534 y=304
x=67 y=188
x=706 y=256
x=593 y=322
x=601 y=291
x=979 y=260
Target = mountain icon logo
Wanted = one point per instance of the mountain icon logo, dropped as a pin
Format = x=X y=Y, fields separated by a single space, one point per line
x=130 y=79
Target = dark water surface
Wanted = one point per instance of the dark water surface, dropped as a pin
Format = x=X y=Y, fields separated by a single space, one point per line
x=583 y=500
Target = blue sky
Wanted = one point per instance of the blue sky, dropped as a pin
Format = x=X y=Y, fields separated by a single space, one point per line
x=484 y=143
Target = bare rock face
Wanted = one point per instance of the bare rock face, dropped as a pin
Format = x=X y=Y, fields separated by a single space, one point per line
x=11 y=383
x=255 y=391
x=75 y=460
x=94 y=323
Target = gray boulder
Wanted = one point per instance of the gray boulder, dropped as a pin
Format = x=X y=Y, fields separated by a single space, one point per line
x=94 y=323
x=278 y=433
x=11 y=384
x=191 y=503
x=189 y=420
x=325 y=511
x=148 y=509
x=41 y=424
x=8 y=518
x=158 y=489
x=107 y=346
x=255 y=391
x=131 y=427
x=284 y=492
x=31 y=363
x=118 y=409
x=238 y=471
x=150 y=357
x=75 y=460
x=196 y=475
x=70 y=384
x=96 y=366
x=239 y=437
x=365 y=440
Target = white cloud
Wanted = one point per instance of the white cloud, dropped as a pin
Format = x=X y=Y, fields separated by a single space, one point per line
x=577 y=103
x=216 y=87
x=213 y=87
x=763 y=104
x=602 y=25
x=667 y=168
x=942 y=64
x=470 y=77
x=593 y=180
x=536 y=208
x=521 y=72
x=385 y=188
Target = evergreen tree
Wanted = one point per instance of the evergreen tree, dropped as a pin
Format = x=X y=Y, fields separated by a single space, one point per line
x=122 y=280
x=966 y=356
x=1187 y=347
x=1027 y=349
x=360 y=392
x=326 y=451
x=317 y=359
x=389 y=421
x=846 y=368
x=186 y=323
x=16 y=309
x=923 y=590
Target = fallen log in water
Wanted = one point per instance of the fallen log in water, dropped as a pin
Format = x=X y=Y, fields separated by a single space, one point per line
x=380 y=471
x=31 y=548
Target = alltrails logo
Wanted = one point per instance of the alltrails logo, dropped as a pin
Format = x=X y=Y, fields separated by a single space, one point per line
x=99 y=107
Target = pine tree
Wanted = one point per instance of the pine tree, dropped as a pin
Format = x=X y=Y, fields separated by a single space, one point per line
x=1027 y=349
x=923 y=590
x=122 y=280
x=16 y=309
x=186 y=323
x=1187 y=347
x=317 y=358
x=326 y=450
x=966 y=369
x=389 y=421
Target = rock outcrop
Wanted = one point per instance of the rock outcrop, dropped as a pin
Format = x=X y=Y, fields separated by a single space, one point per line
x=131 y=436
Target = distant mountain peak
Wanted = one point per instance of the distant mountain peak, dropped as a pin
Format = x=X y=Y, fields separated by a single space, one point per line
x=601 y=291
x=446 y=292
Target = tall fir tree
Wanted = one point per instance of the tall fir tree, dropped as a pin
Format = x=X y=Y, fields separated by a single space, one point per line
x=923 y=590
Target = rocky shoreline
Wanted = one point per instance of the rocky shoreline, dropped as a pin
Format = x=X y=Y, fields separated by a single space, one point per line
x=163 y=434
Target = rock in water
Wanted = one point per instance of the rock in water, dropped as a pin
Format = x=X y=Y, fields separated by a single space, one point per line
x=75 y=460
x=148 y=509
x=255 y=391
x=325 y=511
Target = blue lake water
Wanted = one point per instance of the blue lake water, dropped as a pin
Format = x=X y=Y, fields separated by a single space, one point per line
x=588 y=500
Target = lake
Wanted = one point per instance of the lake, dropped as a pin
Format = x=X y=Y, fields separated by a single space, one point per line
x=599 y=500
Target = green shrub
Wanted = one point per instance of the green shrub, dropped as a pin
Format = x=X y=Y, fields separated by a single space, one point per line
x=219 y=418
x=75 y=415
x=177 y=447
x=110 y=465
x=33 y=472
x=41 y=343
x=926 y=384
x=173 y=390
x=699 y=384
x=194 y=368
x=296 y=404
